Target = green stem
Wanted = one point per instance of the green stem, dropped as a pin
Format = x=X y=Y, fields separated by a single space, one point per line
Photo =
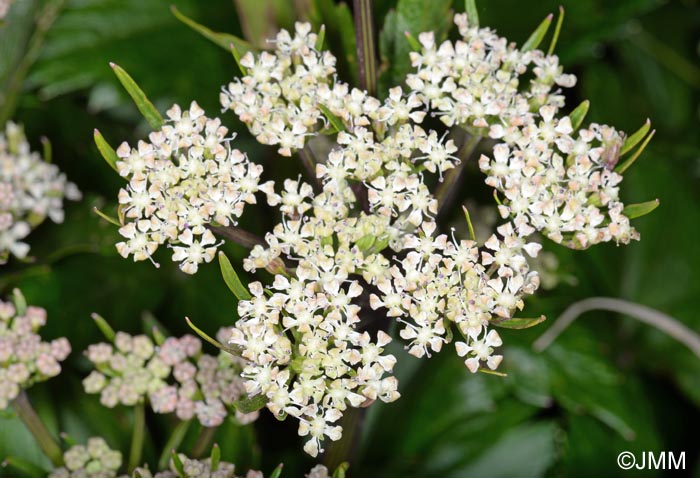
x=203 y=441
x=309 y=162
x=238 y=236
x=137 y=437
x=366 y=55
x=173 y=443
x=342 y=450
x=446 y=190
x=36 y=427
x=45 y=19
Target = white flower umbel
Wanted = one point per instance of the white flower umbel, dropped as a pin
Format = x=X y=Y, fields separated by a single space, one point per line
x=31 y=190
x=561 y=182
x=186 y=178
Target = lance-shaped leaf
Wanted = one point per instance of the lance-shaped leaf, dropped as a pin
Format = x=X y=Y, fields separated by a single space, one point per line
x=231 y=278
x=224 y=40
x=634 y=211
x=106 y=150
x=140 y=99
x=472 y=235
x=104 y=327
x=277 y=471
x=621 y=168
x=538 y=35
x=415 y=44
x=106 y=217
x=211 y=340
x=635 y=138
x=215 y=457
x=334 y=121
x=472 y=13
x=237 y=58
x=177 y=463
x=341 y=470
x=557 y=29
x=321 y=38
x=579 y=114
x=517 y=323
x=250 y=404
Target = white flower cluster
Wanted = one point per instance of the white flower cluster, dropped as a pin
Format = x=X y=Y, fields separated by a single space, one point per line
x=31 y=190
x=475 y=82
x=186 y=178
x=24 y=358
x=560 y=182
x=94 y=460
x=175 y=376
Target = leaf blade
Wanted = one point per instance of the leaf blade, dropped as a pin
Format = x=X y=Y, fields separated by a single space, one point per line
x=144 y=105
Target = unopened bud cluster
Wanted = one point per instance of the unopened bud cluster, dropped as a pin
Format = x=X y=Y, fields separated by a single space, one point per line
x=175 y=377
x=94 y=460
x=24 y=358
x=31 y=190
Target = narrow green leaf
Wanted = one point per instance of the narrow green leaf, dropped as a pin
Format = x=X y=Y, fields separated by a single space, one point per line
x=67 y=439
x=140 y=99
x=48 y=153
x=621 y=168
x=215 y=457
x=472 y=235
x=635 y=138
x=224 y=40
x=472 y=12
x=106 y=150
x=336 y=122
x=25 y=466
x=19 y=301
x=557 y=29
x=366 y=242
x=106 y=217
x=516 y=323
x=278 y=471
x=211 y=340
x=231 y=278
x=154 y=327
x=250 y=404
x=488 y=371
x=634 y=211
x=579 y=114
x=538 y=35
x=237 y=57
x=104 y=326
x=415 y=44
x=177 y=463
x=341 y=470
x=321 y=38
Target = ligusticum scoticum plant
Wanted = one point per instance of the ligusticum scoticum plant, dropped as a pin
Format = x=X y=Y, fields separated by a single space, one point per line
x=360 y=242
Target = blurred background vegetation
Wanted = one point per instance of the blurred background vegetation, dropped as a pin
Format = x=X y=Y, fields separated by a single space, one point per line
x=608 y=384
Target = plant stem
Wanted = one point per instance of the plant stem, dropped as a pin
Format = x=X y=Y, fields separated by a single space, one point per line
x=36 y=427
x=237 y=235
x=45 y=19
x=366 y=55
x=203 y=441
x=137 y=436
x=446 y=190
x=173 y=443
x=647 y=315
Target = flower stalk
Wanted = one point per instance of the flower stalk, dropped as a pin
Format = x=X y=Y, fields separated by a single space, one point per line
x=138 y=435
x=366 y=56
x=36 y=427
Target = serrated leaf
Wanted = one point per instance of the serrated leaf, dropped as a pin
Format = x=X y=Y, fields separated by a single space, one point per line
x=635 y=138
x=538 y=35
x=518 y=323
x=472 y=12
x=251 y=404
x=621 y=168
x=634 y=211
x=579 y=114
x=149 y=112
x=224 y=40
x=106 y=150
x=336 y=122
x=231 y=278
x=104 y=327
